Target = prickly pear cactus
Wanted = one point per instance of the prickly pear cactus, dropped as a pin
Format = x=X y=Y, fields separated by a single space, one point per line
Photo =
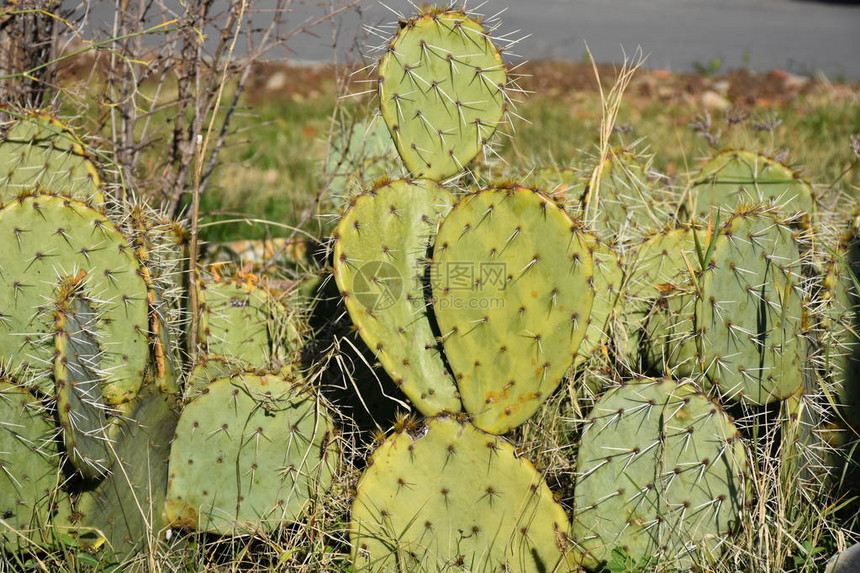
x=750 y=314
x=37 y=152
x=564 y=183
x=47 y=238
x=450 y=497
x=623 y=197
x=660 y=476
x=241 y=320
x=660 y=265
x=511 y=279
x=248 y=455
x=733 y=178
x=30 y=479
x=124 y=514
x=441 y=91
x=361 y=153
x=82 y=413
x=380 y=248
x=207 y=370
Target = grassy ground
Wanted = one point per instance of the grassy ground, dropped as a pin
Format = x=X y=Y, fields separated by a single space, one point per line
x=275 y=164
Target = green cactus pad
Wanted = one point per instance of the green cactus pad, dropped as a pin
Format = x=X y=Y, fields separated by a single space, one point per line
x=564 y=183
x=838 y=328
x=661 y=263
x=47 y=238
x=243 y=321
x=380 y=248
x=624 y=197
x=608 y=279
x=660 y=476
x=749 y=320
x=441 y=92
x=511 y=279
x=360 y=154
x=82 y=413
x=39 y=152
x=28 y=459
x=248 y=455
x=208 y=369
x=453 y=498
x=733 y=178
x=665 y=258
x=126 y=512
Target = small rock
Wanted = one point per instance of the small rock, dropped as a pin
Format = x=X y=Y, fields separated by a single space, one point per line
x=846 y=562
x=713 y=101
x=722 y=87
x=276 y=82
x=794 y=83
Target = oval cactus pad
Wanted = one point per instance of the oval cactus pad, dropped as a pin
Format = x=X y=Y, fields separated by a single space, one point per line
x=511 y=279
x=454 y=499
x=441 y=92
x=751 y=312
x=379 y=264
x=660 y=475
x=248 y=455
x=28 y=458
x=39 y=152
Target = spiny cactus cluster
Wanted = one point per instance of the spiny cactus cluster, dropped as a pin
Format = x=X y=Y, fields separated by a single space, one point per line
x=478 y=302
x=703 y=339
x=109 y=436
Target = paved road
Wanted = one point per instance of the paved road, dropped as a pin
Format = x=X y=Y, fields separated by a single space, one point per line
x=795 y=35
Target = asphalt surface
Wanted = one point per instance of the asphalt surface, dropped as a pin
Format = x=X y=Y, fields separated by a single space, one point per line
x=799 y=36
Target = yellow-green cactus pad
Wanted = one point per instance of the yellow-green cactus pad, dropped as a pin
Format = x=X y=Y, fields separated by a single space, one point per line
x=244 y=321
x=441 y=92
x=608 y=279
x=380 y=251
x=512 y=290
x=30 y=474
x=453 y=498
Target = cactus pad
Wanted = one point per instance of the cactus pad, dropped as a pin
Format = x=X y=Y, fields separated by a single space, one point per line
x=39 y=152
x=47 y=238
x=511 y=279
x=441 y=92
x=608 y=278
x=454 y=498
x=243 y=321
x=28 y=460
x=380 y=249
x=660 y=475
x=127 y=507
x=750 y=314
x=78 y=378
x=736 y=177
x=248 y=455
x=360 y=154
